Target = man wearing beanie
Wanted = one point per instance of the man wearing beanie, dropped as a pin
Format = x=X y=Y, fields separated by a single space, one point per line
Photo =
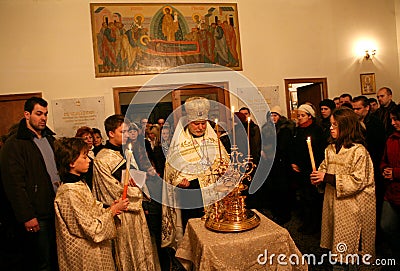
x=326 y=108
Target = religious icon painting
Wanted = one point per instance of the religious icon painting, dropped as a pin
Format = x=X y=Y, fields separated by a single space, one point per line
x=137 y=39
x=367 y=81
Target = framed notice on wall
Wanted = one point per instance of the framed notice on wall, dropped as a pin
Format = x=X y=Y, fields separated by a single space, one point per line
x=135 y=39
x=367 y=83
x=71 y=114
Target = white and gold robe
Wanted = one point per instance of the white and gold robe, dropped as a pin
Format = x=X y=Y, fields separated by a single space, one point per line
x=348 y=216
x=84 y=230
x=133 y=244
x=186 y=159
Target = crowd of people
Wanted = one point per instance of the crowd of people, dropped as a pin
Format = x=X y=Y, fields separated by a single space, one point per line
x=352 y=195
x=70 y=204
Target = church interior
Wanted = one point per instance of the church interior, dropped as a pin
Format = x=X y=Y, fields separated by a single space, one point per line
x=51 y=49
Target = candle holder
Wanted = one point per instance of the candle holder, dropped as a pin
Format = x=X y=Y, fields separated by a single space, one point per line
x=229 y=214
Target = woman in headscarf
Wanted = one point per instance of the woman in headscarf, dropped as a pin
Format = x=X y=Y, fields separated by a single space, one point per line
x=309 y=198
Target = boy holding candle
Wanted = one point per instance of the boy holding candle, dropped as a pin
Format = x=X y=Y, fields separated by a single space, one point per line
x=133 y=245
x=348 y=215
x=84 y=228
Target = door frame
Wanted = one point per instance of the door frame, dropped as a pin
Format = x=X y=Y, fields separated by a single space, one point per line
x=322 y=80
x=177 y=91
x=14 y=98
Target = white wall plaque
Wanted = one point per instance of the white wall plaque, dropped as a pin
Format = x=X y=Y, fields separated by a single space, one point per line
x=70 y=114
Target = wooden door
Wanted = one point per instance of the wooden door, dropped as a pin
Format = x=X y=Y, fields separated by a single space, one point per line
x=322 y=92
x=310 y=93
x=219 y=94
x=12 y=109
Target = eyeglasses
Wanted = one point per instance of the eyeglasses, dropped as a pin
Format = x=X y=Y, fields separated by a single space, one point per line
x=334 y=125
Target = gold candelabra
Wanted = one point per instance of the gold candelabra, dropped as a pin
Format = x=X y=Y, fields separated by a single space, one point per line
x=229 y=214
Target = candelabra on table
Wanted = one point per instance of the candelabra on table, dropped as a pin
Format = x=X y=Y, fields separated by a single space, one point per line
x=229 y=214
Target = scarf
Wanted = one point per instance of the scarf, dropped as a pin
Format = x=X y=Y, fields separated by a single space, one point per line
x=306 y=124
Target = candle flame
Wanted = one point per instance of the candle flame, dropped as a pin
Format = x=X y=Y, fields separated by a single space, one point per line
x=130 y=146
x=216 y=121
x=248 y=119
x=308 y=138
x=233 y=108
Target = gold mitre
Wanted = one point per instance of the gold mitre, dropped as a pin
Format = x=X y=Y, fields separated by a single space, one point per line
x=197 y=108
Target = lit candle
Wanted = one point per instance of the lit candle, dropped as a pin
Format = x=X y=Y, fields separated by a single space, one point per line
x=311 y=153
x=219 y=143
x=128 y=155
x=248 y=135
x=233 y=125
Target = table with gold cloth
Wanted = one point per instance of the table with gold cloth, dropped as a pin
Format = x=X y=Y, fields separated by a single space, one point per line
x=202 y=249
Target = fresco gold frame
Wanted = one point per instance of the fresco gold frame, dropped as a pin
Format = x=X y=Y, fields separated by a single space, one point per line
x=137 y=39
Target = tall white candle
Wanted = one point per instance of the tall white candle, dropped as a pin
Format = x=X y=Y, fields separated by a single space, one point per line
x=219 y=142
x=248 y=135
x=128 y=155
x=233 y=125
x=310 y=151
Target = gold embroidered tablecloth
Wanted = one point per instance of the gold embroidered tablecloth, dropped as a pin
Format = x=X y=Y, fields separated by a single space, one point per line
x=267 y=247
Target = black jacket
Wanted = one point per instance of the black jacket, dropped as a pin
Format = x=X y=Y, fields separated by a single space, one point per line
x=284 y=129
x=255 y=140
x=375 y=138
x=26 y=182
x=300 y=155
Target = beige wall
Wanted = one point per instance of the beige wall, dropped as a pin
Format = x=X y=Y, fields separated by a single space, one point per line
x=46 y=46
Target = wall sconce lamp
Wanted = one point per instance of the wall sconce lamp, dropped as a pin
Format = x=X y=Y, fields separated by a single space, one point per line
x=369 y=54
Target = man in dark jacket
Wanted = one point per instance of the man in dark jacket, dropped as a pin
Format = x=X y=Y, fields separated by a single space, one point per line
x=30 y=180
x=375 y=130
x=384 y=96
x=276 y=189
x=375 y=138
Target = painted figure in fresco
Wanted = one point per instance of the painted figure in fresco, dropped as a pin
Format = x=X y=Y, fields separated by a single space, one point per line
x=108 y=52
x=206 y=43
x=197 y=20
x=100 y=36
x=230 y=37
x=221 y=48
x=170 y=24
